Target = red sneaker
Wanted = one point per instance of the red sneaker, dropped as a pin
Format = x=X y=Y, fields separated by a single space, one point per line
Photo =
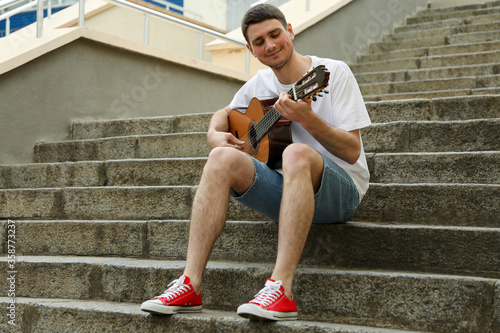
x=180 y=297
x=270 y=303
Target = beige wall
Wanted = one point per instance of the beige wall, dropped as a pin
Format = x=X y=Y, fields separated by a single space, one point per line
x=165 y=35
x=349 y=31
x=89 y=80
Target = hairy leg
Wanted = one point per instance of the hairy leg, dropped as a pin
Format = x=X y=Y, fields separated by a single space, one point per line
x=226 y=168
x=302 y=172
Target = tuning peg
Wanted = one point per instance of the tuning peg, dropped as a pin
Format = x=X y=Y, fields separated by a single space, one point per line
x=314 y=98
x=326 y=91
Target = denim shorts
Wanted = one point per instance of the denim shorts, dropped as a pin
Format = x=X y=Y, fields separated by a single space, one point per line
x=335 y=201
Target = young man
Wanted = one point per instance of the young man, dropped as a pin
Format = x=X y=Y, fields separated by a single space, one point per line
x=323 y=178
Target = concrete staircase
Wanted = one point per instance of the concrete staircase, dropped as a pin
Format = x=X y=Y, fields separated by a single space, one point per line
x=439 y=53
x=101 y=220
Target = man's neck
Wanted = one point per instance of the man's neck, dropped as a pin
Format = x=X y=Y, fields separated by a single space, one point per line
x=294 y=69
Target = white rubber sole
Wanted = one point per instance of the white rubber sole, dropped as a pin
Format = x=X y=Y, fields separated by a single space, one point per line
x=254 y=312
x=156 y=308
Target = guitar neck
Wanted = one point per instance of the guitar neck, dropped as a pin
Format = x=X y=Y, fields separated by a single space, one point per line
x=270 y=119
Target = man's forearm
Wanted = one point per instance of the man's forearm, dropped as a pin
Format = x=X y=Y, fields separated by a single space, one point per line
x=219 y=121
x=346 y=145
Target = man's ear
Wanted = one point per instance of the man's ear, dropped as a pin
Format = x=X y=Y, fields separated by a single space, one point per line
x=250 y=49
x=290 y=31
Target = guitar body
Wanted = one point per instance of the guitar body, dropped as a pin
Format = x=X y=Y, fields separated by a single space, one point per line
x=270 y=148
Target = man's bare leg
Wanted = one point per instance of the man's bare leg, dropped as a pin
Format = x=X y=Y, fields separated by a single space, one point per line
x=302 y=172
x=226 y=168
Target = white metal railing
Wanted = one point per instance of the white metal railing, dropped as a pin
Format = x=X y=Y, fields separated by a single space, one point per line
x=6 y=15
x=169 y=6
x=147 y=12
x=200 y=29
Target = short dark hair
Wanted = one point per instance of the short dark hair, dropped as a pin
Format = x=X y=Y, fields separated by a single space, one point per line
x=260 y=13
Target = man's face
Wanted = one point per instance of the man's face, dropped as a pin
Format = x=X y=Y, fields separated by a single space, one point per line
x=271 y=43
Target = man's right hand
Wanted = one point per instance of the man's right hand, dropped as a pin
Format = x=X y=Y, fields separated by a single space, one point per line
x=223 y=139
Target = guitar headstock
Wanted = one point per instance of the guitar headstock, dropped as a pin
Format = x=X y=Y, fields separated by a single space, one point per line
x=311 y=84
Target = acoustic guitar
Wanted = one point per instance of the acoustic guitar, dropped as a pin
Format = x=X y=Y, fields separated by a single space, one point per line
x=265 y=132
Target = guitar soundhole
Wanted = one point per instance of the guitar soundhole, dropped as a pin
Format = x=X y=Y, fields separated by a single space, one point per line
x=253 y=138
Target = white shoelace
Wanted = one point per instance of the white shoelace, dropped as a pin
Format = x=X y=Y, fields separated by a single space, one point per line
x=177 y=288
x=270 y=293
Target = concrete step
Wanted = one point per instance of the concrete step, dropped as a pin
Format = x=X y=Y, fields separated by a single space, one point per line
x=384 y=137
x=97 y=316
x=431 y=51
x=375 y=298
x=451 y=22
x=485 y=107
x=426 y=249
x=438 y=73
x=433 y=94
x=449 y=60
x=81 y=130
x=433 y=136
x=492 y=23
x=199 y=122
x=436 y=204
x=424 y=204
x=107 y=202
x=145 y=172
x=413 y=168
x=461 y=83
x=126 y=147
x=443 y=109
x=439 y=15
x=385 y=168
x=465 y=38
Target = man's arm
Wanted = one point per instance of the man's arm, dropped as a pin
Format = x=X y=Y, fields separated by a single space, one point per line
x=346 y=145
x=218 y=131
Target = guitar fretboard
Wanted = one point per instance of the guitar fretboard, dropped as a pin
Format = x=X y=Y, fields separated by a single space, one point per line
x=266 y=123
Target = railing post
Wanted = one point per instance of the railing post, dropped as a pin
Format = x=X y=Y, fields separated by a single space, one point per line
x=39 y=18
x=308 y=5
x=81 y=13
x=7 y=26
x=146 y=29
x=49 y=8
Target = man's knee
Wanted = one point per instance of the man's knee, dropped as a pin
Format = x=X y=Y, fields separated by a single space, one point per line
x=233 y=165
x=299 y=155
x=221 y=159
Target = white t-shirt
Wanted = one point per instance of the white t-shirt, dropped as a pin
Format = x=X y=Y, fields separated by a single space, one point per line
x=343 y=108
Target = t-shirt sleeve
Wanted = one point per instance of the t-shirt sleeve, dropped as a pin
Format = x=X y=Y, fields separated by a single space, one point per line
x=349 y=110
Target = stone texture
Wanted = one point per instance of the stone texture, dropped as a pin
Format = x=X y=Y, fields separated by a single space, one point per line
x=85 y=238
x=496 y=309
x=473 y=107
x=443 y=204
x=473 y=167
x=44 y=315
x=455 y=250
x=154 y=172
x=136 y=203
x=86 y=150
x=432 y=136
x=52 y=175
x=140 y=126
x=437 y=302
x=29 y=203
x=174 y=145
